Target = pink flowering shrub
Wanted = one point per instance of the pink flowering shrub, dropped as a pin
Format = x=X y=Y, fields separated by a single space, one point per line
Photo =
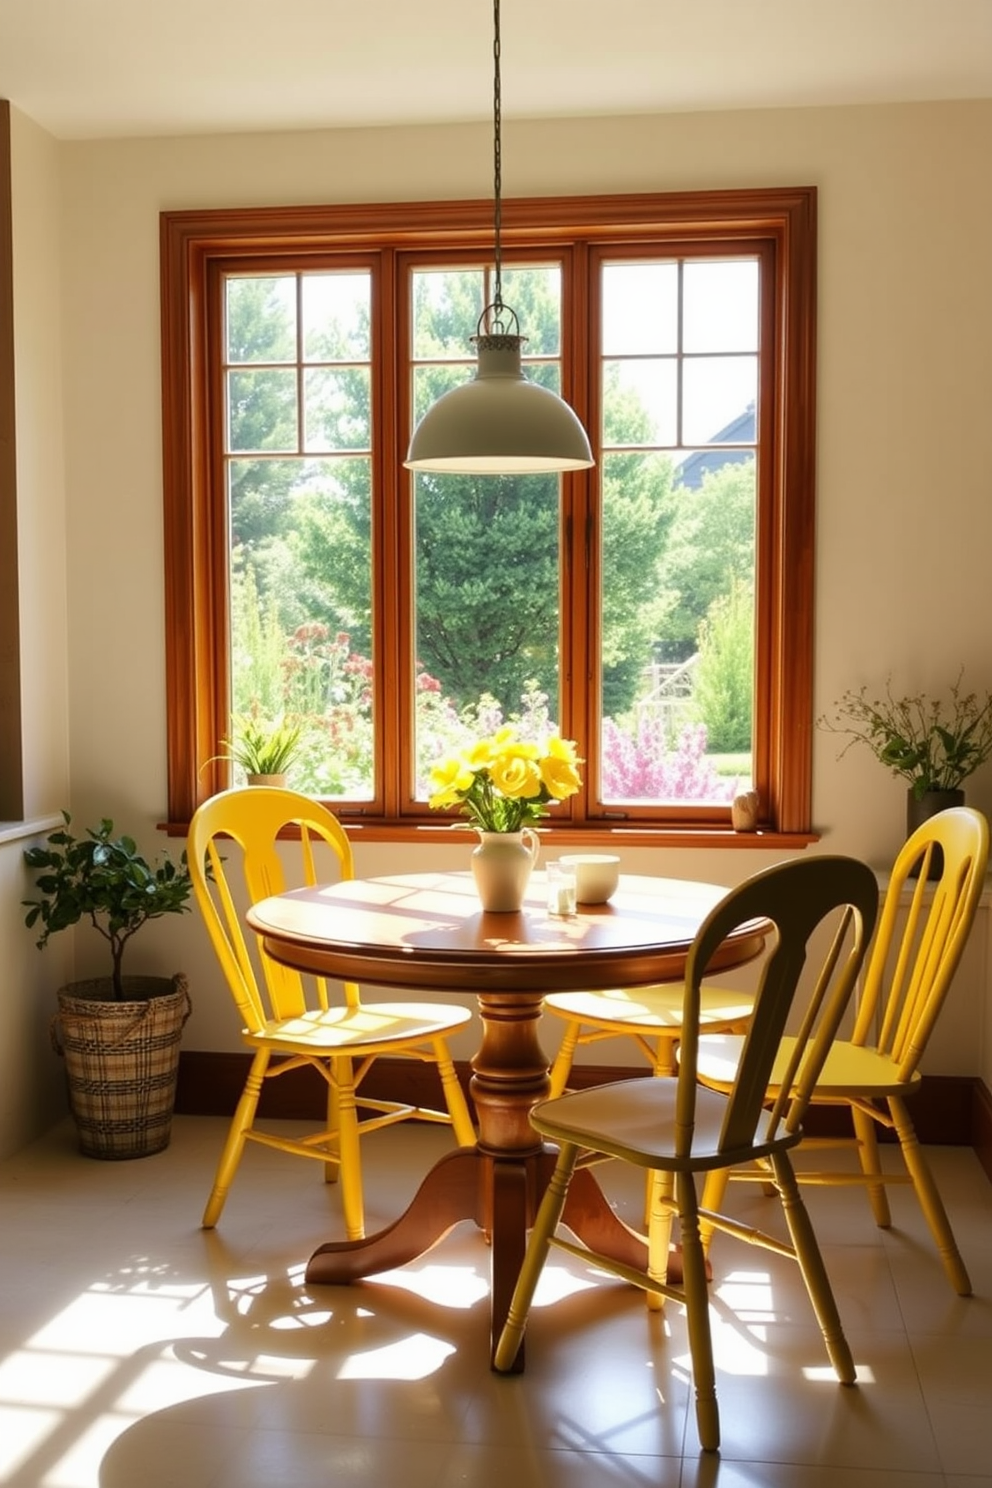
x=638 y=766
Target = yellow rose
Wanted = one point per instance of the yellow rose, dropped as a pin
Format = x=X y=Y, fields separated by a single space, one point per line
x=451 y=779
x=515 y=776
x=563 y=749
x=477 y=756
x=560 y=777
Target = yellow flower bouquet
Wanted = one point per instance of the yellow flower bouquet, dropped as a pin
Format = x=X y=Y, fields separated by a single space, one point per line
x=503 y=783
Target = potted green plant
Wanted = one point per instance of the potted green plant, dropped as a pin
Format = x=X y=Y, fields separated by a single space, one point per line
x=263 y=749
x=119 y=1034
x=934 y=745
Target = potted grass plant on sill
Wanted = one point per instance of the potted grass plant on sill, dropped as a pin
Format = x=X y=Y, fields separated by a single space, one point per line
x=263 y=749
x=119 y=1034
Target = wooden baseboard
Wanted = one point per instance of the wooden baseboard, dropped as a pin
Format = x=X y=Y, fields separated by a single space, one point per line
x=949 y=1110
x=981 y=1124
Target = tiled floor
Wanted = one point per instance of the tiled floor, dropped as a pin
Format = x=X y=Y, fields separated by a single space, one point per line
x=137 y=1351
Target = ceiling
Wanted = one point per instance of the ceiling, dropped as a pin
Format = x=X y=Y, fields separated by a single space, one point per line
x=86 y=69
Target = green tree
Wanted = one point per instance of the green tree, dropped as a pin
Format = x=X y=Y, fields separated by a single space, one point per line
x=723 y=682
x=712 y=543
x=487 y=584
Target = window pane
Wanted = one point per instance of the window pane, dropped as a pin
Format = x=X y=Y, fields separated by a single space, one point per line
x=717 y=392
x=300 y=563
x=338 y=412
x=720 y=305
x=640 y=402
x=678 y=535
x=640 y=308
x=301 y=612
x=261 y=319
x=336 y=317
x=487 y=577
x=261 y=411
x=486 y=623
x=446 y=309
x=678 y=626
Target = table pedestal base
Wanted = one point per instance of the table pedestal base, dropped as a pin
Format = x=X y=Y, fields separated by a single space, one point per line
x=501 y=1196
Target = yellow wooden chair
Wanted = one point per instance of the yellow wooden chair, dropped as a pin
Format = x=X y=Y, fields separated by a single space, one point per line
x=672 y=1125
x=922 y=931
x=650 y=1016
x=290 y=1021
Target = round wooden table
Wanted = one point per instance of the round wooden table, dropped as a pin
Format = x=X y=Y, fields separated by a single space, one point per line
x=426 y=931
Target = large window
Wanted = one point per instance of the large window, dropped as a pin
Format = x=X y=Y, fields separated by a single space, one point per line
x=656 y=609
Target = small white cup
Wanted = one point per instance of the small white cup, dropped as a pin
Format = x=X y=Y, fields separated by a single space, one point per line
x=561 y=889
x=596 y=876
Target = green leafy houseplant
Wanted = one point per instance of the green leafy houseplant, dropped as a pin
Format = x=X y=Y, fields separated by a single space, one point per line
x=103 y=879
x=933 y=745
x=262 y=748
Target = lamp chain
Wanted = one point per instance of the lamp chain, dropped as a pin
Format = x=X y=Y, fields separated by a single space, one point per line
x=497 y=171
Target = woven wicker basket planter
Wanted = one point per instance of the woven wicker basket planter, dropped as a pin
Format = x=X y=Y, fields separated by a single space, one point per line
x=122 y=1061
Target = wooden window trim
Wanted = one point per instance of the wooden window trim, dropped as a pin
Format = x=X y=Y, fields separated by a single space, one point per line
x=192 y=246
x=11 y=756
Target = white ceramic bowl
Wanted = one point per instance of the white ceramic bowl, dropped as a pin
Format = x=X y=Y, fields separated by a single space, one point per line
x=596 y=876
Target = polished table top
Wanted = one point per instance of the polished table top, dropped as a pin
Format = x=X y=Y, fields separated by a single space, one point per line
x=428 y=930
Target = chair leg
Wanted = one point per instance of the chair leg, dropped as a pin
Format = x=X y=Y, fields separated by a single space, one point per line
x=929 y=1198
x=697 y=1307
x=562 y=1067
x=548 y=1215
x=659 y=1231
x=814 y=1272
x=234 y=1143
x=864 y=1131
x=332 y=1170
x=352 y=1202
x=714 y=1191
x=454 y=1097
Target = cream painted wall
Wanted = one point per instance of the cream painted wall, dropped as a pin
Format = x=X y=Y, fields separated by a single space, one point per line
x=31 y=1080
x=38 y=342
x=905 y=372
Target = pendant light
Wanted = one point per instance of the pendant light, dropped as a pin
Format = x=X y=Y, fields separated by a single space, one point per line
x=499 y=423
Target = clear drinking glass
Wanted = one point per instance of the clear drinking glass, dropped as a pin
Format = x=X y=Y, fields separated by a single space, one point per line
x=561 y=888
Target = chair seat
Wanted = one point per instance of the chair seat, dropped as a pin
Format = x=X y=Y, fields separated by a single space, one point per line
x=635 y=1120
x=656 y=1008
x=372 y=1026
x=850 y=1070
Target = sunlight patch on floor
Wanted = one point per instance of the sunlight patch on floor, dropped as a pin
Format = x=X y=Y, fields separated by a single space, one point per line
x=411 y=1358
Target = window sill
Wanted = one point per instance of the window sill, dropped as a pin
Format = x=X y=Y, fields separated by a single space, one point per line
x=16 y=831
x=695 y=837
